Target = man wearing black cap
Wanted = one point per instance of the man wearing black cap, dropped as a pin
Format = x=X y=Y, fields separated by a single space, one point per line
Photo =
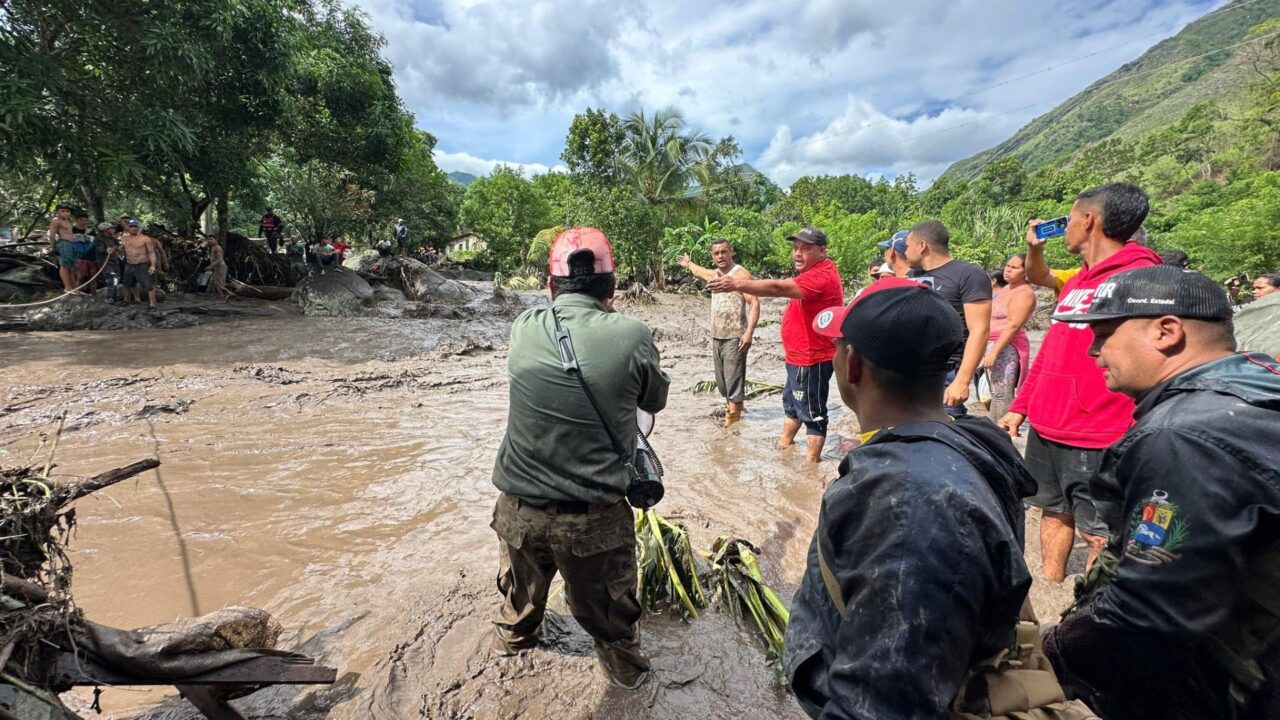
x=1180 y=615
x=808 y=354
x=915 y=570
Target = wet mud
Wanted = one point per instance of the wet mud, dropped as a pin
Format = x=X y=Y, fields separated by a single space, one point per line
x=335 y=472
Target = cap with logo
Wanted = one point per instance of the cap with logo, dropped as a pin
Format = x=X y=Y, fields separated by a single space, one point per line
x=1155 y=292
x=897 y=324
x=134 y=223
x=897 y=243
x=810 y=235
x=577 y=240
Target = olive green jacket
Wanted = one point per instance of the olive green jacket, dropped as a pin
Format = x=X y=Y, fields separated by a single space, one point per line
x=555 y=447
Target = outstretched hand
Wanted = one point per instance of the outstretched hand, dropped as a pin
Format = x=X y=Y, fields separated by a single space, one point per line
x=684 y=260
x=723 y=284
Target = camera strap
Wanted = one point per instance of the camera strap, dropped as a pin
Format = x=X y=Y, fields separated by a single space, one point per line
x=569 y=361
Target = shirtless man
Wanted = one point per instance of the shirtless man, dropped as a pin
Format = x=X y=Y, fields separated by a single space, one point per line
x=733 y=324
x=217 y=268
x=139 y=264
x=62 y=241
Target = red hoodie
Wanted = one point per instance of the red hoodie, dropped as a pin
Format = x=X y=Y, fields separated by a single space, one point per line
x=1065 y=397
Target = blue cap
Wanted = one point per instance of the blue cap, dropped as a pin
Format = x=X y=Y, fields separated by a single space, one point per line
x=898 y=242
x=133 y=223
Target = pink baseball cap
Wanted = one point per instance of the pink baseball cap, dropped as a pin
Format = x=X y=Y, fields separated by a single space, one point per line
x=576 y=240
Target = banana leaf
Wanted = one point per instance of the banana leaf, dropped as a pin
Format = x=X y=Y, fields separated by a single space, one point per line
x=754 y=388
x=740 y=588
x=668 y=567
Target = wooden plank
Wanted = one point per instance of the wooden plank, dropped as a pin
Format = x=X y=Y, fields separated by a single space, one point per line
x=209 y=702
x=267 y=670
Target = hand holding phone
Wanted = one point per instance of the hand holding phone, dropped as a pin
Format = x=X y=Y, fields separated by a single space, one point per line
x=1052 y=228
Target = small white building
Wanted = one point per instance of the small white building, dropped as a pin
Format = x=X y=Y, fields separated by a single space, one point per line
x=466 y=242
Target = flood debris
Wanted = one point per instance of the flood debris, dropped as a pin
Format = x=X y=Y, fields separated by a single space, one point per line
x=48 y=646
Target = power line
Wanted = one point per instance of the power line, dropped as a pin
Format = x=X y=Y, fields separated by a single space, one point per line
x=820 y=137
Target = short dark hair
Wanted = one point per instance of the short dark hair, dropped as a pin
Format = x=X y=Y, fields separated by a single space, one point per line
x=1176 y=258
x=933 y=232
x=721 y=241
x=1124 y=208
x=997 y=276
x=60 y=206
x=911 y=388
x=597 y=285
x=582 y=280
x=1273 y=279
x=1221 y=333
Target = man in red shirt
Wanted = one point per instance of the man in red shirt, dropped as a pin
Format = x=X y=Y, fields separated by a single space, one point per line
x=815 y=288
x=1073 y=416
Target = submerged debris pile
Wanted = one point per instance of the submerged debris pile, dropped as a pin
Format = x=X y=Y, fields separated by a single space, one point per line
x=37 y=612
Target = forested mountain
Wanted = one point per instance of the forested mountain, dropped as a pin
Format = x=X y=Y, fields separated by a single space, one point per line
x=462 y=178
x=1148 y=93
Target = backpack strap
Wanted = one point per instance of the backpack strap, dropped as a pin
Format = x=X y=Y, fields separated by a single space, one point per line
x=828 y=577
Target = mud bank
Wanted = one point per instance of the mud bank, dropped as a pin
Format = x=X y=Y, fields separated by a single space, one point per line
x=335 y=472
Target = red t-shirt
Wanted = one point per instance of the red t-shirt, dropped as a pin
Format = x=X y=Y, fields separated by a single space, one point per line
x=822 y=289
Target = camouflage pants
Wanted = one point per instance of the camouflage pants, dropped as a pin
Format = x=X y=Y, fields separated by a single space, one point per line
x=594 y=551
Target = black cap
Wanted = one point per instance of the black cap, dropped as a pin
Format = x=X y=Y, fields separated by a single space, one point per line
x=811 y=235
x=898 y=324
x=1155 y=292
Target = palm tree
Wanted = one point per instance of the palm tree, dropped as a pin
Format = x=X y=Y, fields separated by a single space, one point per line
x=663 y=158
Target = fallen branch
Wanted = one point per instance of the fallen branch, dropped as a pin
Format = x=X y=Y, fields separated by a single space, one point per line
x=64 y=493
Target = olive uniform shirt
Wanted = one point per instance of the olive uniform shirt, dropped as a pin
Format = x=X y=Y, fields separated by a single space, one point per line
x=556 y=448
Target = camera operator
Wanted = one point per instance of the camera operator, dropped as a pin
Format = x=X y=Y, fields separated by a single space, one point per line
x=562 y=483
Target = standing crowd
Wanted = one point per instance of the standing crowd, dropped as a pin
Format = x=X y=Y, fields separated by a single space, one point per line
x=1149 y=436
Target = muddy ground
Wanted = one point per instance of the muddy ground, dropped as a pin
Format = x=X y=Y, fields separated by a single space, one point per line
x=336 y=473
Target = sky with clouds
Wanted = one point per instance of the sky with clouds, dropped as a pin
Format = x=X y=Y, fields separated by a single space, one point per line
x=807 y=87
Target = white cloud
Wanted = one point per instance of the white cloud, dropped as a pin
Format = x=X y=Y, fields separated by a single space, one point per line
x=463 y=162
x=865 y=140
x=795 y=81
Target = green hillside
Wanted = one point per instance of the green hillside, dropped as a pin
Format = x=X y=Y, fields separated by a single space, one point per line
x=1146 y=94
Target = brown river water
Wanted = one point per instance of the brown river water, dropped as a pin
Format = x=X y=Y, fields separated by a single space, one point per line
x=335 y=472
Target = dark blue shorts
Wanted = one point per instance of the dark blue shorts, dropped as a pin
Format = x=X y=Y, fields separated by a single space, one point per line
x=805 y=396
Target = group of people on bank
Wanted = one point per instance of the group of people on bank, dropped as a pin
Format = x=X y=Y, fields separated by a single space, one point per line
x=1147 y=433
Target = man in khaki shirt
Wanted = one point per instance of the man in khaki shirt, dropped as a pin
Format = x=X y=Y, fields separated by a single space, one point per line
x=734 y=316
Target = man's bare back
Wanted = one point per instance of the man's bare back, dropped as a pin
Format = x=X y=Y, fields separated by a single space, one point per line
x=138 y=249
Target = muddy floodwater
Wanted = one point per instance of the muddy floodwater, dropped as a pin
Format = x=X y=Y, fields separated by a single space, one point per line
x=335 y=472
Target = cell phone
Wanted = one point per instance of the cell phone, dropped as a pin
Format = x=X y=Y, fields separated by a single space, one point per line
x=1052 y=228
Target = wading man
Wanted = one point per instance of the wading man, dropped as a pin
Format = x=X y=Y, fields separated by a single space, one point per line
x=815 y=287
x=139 y=264
x=733 y=325
x=1073 y=416
x=1180 y=616
x=562 y=484
x=915 y=572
